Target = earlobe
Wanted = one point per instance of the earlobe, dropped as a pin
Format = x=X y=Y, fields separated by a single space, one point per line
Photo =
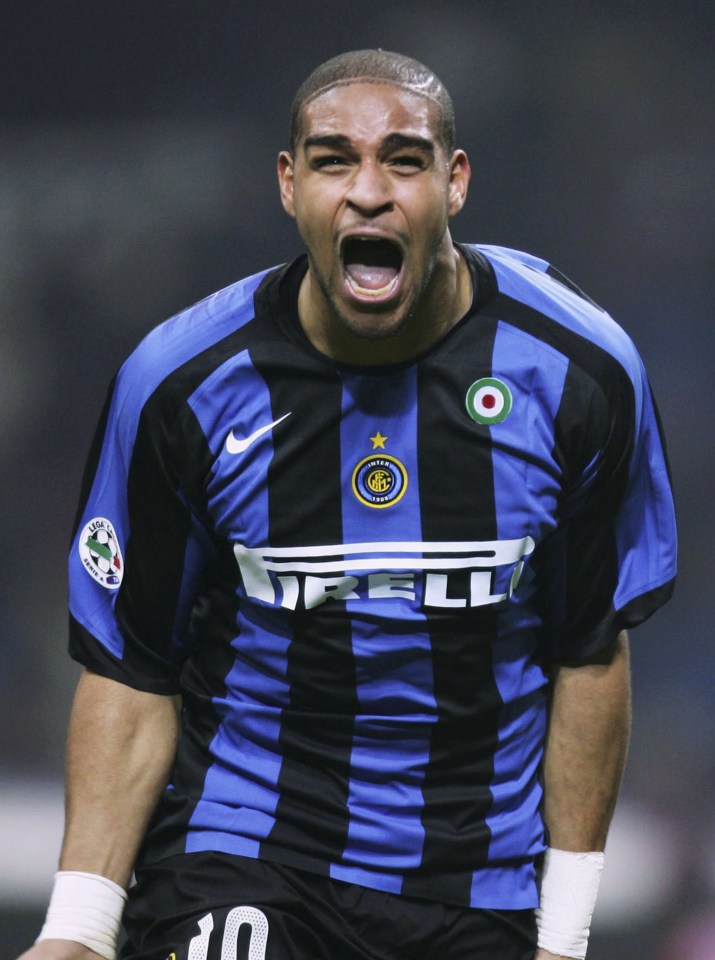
x=460 y=174
x=285 y=181
x=456 y=203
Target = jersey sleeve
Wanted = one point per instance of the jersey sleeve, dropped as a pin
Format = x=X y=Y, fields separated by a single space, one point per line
x=612 y=561
x=139 y=547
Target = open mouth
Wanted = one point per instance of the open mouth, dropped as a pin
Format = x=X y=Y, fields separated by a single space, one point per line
x=372 y=266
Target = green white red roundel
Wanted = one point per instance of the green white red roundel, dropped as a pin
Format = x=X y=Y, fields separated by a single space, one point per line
x=489 y=400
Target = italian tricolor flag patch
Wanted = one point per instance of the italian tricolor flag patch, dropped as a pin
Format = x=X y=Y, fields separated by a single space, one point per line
x=488 y=400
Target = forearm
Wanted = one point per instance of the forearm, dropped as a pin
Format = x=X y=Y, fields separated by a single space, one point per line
x=121 y=746
x=587 y=742
x=586 y=748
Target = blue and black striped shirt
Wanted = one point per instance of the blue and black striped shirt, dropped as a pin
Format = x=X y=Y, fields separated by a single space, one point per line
x=358 y=577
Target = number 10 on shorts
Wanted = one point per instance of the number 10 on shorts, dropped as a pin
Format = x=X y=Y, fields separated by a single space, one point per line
x=236 y=918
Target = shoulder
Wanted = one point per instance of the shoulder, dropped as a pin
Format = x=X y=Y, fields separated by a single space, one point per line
x=188 y=335
x=533 y=292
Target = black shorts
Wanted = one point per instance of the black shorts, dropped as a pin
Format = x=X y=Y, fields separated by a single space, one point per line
x=212 y=906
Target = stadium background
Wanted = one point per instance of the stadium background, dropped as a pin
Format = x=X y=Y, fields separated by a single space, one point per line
x=137 y=150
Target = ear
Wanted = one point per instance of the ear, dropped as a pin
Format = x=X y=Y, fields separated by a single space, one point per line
x=460 y=174
x=285 y=181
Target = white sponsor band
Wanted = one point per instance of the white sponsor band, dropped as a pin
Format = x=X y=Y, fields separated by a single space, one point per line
x=307 y=571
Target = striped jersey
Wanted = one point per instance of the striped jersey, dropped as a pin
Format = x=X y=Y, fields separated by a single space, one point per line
x=358 y=577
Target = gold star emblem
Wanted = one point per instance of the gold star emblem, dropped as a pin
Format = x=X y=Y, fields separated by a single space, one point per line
x=378 y=441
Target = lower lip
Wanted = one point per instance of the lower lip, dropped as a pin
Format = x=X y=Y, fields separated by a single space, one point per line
x=373 y=297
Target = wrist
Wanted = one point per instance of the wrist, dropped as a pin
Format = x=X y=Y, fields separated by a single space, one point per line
x=569 y=888
x=87 y=909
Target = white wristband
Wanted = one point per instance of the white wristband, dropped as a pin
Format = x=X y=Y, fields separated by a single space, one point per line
x=85 y=908
x=569 y=887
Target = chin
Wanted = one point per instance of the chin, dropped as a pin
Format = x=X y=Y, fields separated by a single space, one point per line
x=372 y=326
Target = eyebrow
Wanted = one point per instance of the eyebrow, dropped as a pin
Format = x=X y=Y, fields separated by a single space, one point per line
x=400 y=141
x=333 y=141
x=391 y=143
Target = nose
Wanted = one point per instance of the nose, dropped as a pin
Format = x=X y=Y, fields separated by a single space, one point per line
x=368 y=191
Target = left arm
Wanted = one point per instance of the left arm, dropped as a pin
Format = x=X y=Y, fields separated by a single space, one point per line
x=586 y=748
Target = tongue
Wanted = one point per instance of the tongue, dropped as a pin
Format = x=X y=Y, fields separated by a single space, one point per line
x=371 y=276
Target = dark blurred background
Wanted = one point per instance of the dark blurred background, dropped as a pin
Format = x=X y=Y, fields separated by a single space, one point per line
x=137 y=174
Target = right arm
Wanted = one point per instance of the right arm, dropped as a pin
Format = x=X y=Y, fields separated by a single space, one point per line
x=121 y=747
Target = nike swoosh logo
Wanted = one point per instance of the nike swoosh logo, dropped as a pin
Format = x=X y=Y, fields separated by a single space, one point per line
x=236 y=445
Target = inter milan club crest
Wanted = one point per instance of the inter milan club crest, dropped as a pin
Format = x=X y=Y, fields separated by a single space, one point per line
x=489 y=401
x=101 y=554
x=379 y=480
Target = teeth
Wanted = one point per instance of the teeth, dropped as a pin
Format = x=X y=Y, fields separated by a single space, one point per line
x=370 y=292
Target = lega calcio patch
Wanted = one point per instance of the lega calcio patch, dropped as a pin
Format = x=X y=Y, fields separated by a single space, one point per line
x=101 y=554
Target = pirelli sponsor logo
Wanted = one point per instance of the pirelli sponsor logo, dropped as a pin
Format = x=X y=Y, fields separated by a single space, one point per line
x=306 y=577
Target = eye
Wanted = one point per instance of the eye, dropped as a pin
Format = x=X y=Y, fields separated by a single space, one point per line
x=329 y=161
x=408 y=162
